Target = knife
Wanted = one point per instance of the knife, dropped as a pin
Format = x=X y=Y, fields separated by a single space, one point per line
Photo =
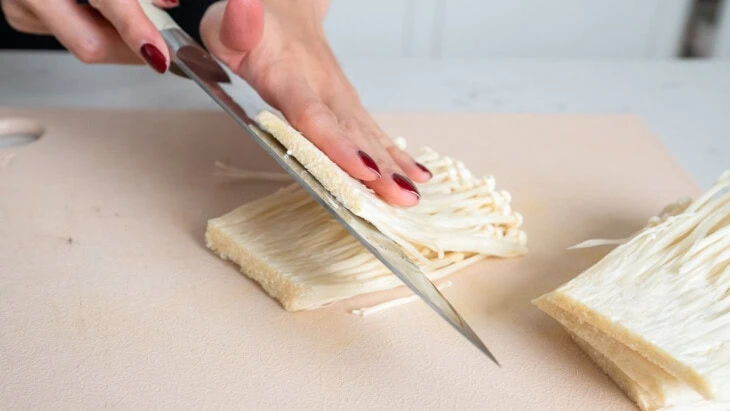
x=243 y=103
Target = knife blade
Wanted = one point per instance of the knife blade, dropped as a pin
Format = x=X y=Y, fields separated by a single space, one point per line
x=242 y=103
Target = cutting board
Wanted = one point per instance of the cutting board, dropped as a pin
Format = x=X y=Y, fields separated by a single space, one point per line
x=109 y=298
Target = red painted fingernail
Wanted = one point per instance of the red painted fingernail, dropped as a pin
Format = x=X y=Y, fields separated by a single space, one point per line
x=172 y=2
x=154 y=57
x=406 y=184
x=424 y=169
x=368 y=161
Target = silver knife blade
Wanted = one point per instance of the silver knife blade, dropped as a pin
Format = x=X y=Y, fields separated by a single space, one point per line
x=243 y=103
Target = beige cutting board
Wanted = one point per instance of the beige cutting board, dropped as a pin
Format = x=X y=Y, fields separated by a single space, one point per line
x=109 y=298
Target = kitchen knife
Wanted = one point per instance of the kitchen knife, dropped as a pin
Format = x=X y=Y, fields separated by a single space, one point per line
x=242 y=103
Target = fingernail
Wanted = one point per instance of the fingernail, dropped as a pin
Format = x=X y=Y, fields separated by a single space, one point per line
x=424 y=169
x=406 y=184
x=154 y=57
x=369 y=162
x=172 y=2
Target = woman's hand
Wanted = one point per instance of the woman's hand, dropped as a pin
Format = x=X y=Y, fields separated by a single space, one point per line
x=106 y=31
x=279 y=46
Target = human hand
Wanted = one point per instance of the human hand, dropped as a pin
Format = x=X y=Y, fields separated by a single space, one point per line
x=105 y=31
x=280 y=48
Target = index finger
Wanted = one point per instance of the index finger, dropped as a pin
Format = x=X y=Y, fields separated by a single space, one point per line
x=136 y=30
x=83 y=32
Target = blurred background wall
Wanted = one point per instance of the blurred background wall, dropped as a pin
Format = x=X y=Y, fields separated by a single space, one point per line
x=559 y=29
x=533 y=29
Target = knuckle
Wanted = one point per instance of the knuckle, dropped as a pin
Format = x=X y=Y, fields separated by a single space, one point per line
x=89 y=51
x=351 y=124
x=15 y=23
x=97 y=4
x=393 y=151
x=17 y=26
x=387 y=142
x=22 y=25
x=314 y=114
x=126 y=29
x=7 y=5
x=13 y=14
x=271 y=77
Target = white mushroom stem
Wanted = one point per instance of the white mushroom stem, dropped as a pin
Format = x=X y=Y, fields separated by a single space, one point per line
x=365 y=311
x=306 y=259
x=6 y=159
x=667 y=290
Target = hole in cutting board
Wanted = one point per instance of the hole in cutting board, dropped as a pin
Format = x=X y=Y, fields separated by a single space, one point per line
x=16 y=132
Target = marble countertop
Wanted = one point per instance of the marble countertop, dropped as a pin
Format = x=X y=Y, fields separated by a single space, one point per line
x=685 y=103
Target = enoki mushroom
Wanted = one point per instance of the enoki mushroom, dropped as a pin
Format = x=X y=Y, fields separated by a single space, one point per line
x=303 y=257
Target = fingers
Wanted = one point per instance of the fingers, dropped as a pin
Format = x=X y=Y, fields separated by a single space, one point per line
x=230 y=29
x=413 y=169
x=82 y=31
x=349 y=108
x=394 y=186
x=136 y=30
x=399 y=168
x=317 y=122
x=385 y=186
x=344 y=139
x=22 y=19
x=396 y=189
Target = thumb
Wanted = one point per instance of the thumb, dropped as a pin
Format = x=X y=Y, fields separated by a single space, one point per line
x=232 y=28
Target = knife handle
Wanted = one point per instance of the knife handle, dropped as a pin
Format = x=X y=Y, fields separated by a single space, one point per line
x=157 y=16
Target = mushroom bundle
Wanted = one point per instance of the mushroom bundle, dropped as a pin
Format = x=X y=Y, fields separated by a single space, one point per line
x=305 y=259
x=654 y=313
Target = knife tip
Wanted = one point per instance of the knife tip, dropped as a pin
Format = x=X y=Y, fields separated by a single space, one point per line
x=492 y=357
x=479 y=344
x=483 y=348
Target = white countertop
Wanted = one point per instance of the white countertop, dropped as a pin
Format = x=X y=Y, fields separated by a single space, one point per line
x=685 y=103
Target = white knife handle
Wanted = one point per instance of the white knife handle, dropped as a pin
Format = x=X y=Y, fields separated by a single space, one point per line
x=159 y=17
